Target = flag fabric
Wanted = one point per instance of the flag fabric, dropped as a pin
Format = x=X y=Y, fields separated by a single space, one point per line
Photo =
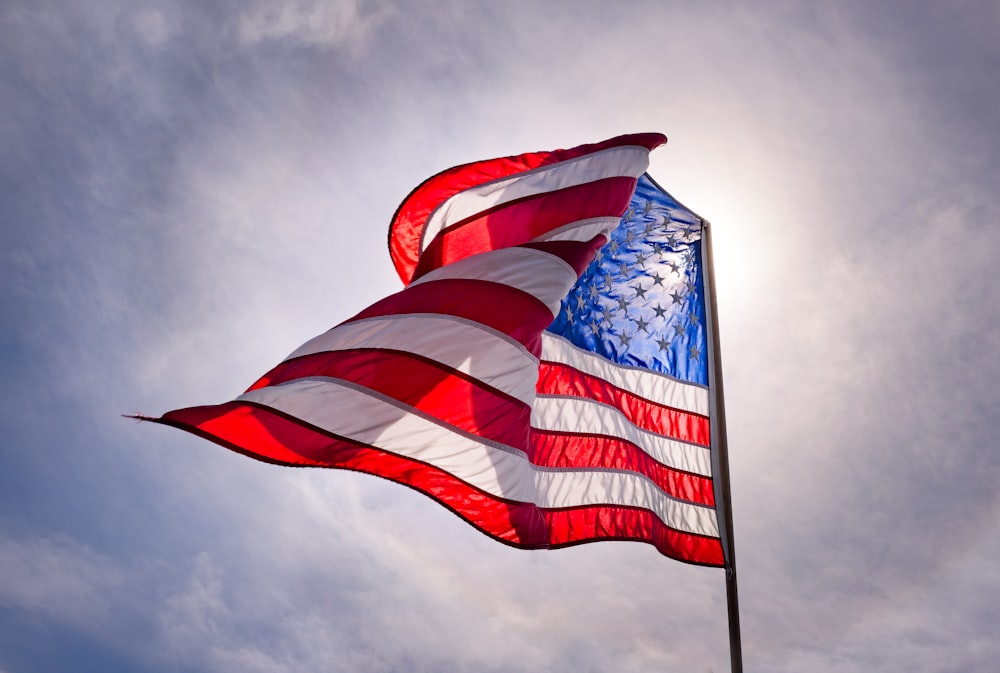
x=544 y=372
x=624 y=384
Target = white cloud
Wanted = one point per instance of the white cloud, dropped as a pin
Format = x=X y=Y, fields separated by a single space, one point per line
x=153 y=25
x=310 y=22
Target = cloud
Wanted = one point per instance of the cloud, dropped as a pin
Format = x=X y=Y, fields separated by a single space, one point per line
x=309 y=23
x=58 y=577
x=191 y=190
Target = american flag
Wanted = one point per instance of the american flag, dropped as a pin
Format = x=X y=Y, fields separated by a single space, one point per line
x=540 y=434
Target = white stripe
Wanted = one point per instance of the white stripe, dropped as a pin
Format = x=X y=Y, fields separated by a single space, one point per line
x=608 y=487
x=540 y=274
x=652 y=385
x=469 y=347
x=578 y=415
x=628 y=160
x=367 y=417
x=583 y=230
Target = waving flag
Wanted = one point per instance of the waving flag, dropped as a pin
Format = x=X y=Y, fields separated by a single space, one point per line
x=543 y=374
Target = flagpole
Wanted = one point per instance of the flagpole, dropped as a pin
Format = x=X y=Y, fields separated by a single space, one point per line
x=721 y=457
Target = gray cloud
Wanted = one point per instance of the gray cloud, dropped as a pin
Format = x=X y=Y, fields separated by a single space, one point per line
x=190 y=190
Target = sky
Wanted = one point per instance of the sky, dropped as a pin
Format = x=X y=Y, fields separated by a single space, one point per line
x=189 y=190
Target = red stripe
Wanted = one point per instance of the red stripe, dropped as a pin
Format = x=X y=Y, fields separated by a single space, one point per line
x=268 y=436
x=411 y=216
x=523 y=316
x=578 y=450
x=559 y=379
x=591 y=524
x=519 y=222
x=437 y=390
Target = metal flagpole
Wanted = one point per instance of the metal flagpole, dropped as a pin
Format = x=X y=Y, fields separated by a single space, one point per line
x=720 y=457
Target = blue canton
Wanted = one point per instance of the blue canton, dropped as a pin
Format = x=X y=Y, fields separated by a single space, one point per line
x=641 y=302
